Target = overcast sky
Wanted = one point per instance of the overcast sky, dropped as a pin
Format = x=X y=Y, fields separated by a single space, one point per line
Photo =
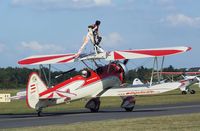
x=33 y=27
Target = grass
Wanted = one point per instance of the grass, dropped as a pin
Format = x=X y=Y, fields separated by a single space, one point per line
x=166 y=98
x=164 y=123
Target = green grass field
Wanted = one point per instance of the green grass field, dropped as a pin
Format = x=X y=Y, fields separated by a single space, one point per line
x=165 y=123
x=166 y=98
x=189 y=122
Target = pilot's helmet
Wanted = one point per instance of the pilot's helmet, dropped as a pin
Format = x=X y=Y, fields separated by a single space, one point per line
x=84 y=73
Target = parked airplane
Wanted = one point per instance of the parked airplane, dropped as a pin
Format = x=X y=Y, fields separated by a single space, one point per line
x=189 y=79
x=19 y=95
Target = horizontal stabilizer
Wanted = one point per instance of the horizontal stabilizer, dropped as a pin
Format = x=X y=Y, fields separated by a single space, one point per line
x=57 y=95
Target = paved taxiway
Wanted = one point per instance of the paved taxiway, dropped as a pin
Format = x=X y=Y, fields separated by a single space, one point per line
x=31 y=119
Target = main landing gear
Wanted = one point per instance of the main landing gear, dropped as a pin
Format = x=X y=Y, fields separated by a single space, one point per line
x=39 y=112
x=93 y=104
x=128 y=103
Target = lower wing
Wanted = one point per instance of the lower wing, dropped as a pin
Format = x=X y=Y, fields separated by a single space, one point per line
x=142 y=89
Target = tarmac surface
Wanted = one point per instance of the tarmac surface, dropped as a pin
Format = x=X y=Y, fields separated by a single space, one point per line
x=31 y=119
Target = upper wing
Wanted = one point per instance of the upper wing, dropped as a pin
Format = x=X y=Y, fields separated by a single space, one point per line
x=48 y=59
x=113 y=55
x=145 y=53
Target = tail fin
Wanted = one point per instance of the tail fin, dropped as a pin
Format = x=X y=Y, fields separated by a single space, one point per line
x=34 y=87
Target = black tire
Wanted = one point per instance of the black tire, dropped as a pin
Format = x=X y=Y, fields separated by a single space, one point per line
x=184 y=92
x=97 y=105
x=94 y=110
x=129 y=109
x=39 y=113
x=192 y=92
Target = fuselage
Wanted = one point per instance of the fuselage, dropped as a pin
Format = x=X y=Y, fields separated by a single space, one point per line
x=91 y=85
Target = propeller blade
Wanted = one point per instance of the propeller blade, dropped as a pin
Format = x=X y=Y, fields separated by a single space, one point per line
x=125 y=61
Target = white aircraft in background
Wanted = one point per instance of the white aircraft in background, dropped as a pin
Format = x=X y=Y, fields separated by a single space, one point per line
x=189 y=79
x=19 y=95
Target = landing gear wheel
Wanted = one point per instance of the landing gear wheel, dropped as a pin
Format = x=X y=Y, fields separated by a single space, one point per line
x=39 y=112
x=96 y=108
x=93 y=104
x=184 y=92
x=128 y=103
x=192 y=92
x=129 y=109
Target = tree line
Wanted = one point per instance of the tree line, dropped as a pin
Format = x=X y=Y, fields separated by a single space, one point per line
x=17 y=77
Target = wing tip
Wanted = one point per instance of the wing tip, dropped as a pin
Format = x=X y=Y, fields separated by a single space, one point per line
x=189 y=48
x=20 y=62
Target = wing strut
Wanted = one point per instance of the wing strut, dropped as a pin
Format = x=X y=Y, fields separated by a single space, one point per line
x=42 y=71
x=162 y=64
x=158 y=73
x=49 y=83
x=154 y=61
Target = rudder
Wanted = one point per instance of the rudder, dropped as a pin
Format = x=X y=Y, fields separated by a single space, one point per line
x=34 y=87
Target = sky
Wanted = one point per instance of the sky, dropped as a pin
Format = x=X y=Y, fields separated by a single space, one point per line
x=35 y=27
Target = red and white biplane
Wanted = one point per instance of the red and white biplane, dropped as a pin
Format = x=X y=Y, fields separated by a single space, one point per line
x=107 y=80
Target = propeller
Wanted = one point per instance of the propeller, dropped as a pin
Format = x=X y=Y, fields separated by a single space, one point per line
x=125 y=61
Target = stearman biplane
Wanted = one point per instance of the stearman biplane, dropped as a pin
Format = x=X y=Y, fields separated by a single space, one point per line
x=107 y=80
x=103 y=81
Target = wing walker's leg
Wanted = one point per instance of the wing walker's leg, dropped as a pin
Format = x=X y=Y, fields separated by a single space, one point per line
x=94 y=40
x=98 y=49
x=83 y=45
x=90 y=36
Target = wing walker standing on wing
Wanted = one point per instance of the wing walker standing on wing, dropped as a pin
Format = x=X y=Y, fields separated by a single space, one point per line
x=94 y=37
x=93 y=31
